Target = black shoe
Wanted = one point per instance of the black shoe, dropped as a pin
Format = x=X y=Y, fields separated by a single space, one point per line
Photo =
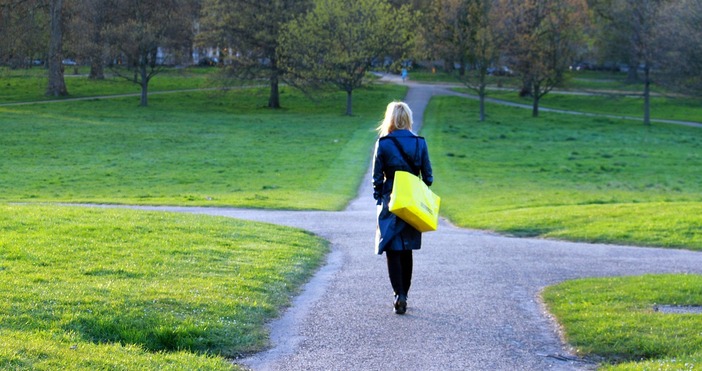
x=400 y=304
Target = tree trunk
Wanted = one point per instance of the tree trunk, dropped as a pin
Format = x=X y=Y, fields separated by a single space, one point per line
x=482 y=93
x=97 y=62
x=274 y=98
x=462 y=68
x=97 y=70
x=57 y=84
x=349 y=101
x=144 y=85
x=647 y=95
x=535 y=107
x=536 y=94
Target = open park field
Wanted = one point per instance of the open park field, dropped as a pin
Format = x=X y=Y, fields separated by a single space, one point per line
x=159 y=290
x=567 y=176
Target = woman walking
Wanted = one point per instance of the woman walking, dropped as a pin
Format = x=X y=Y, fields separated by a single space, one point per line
x=397 y=148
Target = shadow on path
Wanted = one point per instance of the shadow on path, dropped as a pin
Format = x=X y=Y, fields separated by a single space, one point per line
x=474 y=303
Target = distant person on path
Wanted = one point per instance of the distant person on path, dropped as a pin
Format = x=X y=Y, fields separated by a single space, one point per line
x=404 y=74
x=393 y=236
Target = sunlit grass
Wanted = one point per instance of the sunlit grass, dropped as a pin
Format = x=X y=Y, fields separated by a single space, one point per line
x=198 y=148
x=667 y=108
x=565 y=176
x=127 y=289
x=105 y=288
x=615 y=319
x=652 y=223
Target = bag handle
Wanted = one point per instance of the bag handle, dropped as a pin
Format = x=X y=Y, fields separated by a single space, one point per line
x=410 y=161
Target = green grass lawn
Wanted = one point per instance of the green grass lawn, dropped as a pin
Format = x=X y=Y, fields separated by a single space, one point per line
x=668 y=108
x=108 y=289
x=566 y=177
x=196 y=148
x=574 y=80
x=596 y=180
x=604 y=92
x=594 y=80
x=125 y=289
x=613 y=320
x=121 y=289
x=29 y=85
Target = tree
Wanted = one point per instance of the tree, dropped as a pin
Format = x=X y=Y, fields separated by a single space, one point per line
x=338 y=41
x=544 y=36
x=633 y=24
x=141 y=30
x=679 y=45
x=26 y=37
x=462 y=31
x=88 y=34
x=57 y=84
x=252 y=29
x=24 y=27
x=484 y=50
x=448 y=33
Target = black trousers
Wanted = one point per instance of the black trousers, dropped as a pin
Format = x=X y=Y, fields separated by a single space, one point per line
x=400 y=270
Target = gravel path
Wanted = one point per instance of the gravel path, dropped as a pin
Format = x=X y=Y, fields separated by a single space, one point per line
x=474 y=303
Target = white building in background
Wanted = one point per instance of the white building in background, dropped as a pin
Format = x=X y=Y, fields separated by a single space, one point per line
x=198 y=56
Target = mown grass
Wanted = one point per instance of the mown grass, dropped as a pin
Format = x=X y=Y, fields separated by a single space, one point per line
x=195 y=148
x=107 y=289
x=567 y=177
x=614 y=318
x=121 y=289
x=596 y=180
x=29 y=85
x=668 y=108
x=601 y=80
x=573 y=80
x=557 y=176
x=587 y=92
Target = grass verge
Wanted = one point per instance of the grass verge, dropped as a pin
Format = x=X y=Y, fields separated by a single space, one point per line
x=614 y=318
x=567 y=177
x=196 y=148
x=121 y=289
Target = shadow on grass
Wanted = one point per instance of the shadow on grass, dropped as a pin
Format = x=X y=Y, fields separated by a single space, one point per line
x=162 y=326
x=151 y=332
x=529 y=232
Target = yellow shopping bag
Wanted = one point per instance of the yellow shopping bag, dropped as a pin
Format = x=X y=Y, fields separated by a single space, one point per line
x=414 y=202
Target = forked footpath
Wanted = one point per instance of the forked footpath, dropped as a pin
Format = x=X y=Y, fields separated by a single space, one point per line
x=475 y=296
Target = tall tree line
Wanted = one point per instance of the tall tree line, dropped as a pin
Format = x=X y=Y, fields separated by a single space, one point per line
x=655 y=40
x=287 y=41
x=252 y=29
x=338 y=42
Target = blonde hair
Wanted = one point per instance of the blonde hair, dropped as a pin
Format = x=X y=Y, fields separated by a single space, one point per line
x=398 y=116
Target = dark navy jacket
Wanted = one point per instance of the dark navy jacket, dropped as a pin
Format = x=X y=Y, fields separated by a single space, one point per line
x=392 y=232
